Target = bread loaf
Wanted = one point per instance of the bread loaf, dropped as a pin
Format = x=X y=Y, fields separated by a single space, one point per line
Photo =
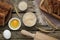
x=5 y=8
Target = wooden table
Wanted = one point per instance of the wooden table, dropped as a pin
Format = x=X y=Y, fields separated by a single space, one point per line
x=16 y=35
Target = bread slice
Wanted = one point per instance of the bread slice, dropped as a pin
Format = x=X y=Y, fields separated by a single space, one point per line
x=5 y=5
x=2 y=17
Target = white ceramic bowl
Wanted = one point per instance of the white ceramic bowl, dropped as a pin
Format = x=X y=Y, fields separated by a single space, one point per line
x=29 y=19
x=7 y=34
x=22 y=5
x=17 y=27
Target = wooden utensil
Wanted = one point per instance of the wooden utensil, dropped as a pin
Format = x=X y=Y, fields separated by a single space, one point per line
x=38 y=35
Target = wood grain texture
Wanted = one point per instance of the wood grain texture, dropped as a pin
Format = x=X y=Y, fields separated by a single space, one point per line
x=16 y=35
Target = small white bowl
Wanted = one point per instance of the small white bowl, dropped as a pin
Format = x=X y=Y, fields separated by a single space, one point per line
x=17 y=27
x=22 y=5
x=7 y=34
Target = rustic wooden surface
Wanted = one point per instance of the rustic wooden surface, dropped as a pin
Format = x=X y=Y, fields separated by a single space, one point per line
x=16 y=35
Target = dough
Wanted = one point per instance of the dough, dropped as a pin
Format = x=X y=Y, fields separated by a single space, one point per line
x=29 y=19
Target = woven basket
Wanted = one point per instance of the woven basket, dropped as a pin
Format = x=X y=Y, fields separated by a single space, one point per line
x=50 y=8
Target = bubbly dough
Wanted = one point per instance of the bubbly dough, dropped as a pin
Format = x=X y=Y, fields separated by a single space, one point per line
x=29 y=19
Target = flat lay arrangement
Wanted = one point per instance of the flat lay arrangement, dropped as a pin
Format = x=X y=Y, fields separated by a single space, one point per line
x=29 y=20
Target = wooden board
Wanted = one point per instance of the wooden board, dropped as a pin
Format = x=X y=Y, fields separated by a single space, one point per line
x=16 y=35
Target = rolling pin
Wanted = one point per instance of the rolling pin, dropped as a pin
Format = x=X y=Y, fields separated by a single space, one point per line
x=38 y=35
